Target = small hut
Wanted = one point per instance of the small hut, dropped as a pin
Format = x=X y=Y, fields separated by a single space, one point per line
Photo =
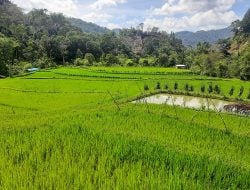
x=180 y=66
x=32 y=69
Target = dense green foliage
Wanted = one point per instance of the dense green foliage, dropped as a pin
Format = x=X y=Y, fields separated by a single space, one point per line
x=76 y=128
x=230 y=58
x=49 y=39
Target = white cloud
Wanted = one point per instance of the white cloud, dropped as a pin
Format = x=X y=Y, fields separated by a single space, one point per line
x=173 y=7
x=68 y=7
x=112 y=26
x=199 y=21
x=73 y=8
x=100 y=4
x=97 y=14
x=173 y=15
x=192 y=15
x=97 y=17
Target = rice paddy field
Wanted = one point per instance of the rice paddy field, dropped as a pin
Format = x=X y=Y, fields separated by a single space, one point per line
x=76 y=128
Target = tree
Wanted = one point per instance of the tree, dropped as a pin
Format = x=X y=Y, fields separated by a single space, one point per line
x=30 y=52
x=245 y=23
x=141 y=26
x=222 y=69
x=108 y=44
x=245 y=65
x=63 y=44
x=79 y=53
x=203 y=47
x=8 y=53
x=208 y=67
x=224 y=46
x=235 y=27
x=163 y=60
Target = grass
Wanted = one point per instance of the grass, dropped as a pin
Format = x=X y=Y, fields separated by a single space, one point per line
x=61 y=129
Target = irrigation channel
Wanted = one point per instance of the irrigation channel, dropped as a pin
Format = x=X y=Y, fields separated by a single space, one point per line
x=196 y=103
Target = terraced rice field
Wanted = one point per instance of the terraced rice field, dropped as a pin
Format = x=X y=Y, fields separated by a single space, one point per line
x=76 y=128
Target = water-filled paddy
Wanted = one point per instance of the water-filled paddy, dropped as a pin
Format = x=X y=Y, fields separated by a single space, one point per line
x=186 y=101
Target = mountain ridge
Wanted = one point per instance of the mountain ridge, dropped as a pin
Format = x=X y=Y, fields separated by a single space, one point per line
x=188 y=38
x=212 y=36
x=88 y=26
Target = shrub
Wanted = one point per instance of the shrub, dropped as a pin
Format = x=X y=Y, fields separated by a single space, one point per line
x=231 y=92
x=176 y=86
x=166 y=87
x=248 y=96
x=217 y=89
x=81 y=62
x=158 y=86
x=111 y=60
x=186 y=87
x=44 y=62
x=143 y=62
x=129 y=62
x=25 y=65
x=90 y=58
x=146 y=88
x=203 y=88
x=191 y=88
x=210 y=88
x=241 y=91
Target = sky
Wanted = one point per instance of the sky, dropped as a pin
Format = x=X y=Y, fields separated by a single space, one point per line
x=167 y=15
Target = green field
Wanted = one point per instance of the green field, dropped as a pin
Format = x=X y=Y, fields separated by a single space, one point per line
x=75 y=128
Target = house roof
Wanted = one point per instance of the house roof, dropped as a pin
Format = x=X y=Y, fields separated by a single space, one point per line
x=33 y=69
x=180 y=65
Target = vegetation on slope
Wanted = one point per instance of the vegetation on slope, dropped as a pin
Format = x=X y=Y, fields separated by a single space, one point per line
x=40 y=39
x=88 y=26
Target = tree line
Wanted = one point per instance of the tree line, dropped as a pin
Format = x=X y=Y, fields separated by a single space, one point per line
x=42 y=39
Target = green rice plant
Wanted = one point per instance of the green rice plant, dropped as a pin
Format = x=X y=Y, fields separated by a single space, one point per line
x=60 y=129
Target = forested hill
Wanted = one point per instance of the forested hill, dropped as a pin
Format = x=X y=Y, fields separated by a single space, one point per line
x=211 y=36
x=88 y=26
x=42 y=39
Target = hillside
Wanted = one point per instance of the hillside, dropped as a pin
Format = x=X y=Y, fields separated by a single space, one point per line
x=211 y=36
x=88 y=26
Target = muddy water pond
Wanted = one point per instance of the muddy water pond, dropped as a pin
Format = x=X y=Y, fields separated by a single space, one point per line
x=185 y=101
